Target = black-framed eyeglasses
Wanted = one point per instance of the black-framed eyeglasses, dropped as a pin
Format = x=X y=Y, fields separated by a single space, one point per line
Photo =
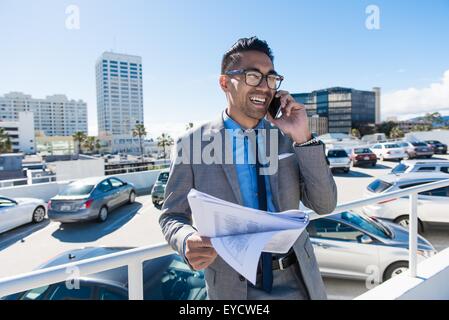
x=254 y=77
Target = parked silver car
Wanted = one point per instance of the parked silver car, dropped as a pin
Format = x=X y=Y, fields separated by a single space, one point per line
x=354 y=246
x=89 y=199
x=415 y=149
x=432 y=204
x=339 y=159
x=430 y=165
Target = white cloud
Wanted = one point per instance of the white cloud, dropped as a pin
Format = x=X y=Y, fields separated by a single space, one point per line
x=434 y=97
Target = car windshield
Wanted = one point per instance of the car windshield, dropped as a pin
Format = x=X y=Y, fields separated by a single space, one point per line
x=400 y=168
x=337 y=154
x=419 y=144
x=367 y=224
x=393 y=145
x=163 y=177
x=362 y=150
x=77 y=189
x=378 y=186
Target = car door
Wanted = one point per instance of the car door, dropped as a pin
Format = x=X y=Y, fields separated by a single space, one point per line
x=107 y=194
x=119 y=190
x=434 y=205
x=338 y=250
x=9 y=214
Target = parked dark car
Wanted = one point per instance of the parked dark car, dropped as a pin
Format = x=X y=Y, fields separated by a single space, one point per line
x=363 y=156
x=437 y=146
x=158 y=191
x=164 y=278
x=90 y=199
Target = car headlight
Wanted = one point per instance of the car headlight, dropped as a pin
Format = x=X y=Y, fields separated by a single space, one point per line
x=426 y=253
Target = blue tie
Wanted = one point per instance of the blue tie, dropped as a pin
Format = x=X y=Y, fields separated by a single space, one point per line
x=266 y=257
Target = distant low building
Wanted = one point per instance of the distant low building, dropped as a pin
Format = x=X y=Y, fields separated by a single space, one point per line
x=406 y=126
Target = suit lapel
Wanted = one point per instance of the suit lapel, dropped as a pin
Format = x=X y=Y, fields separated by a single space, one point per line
x=229 y=169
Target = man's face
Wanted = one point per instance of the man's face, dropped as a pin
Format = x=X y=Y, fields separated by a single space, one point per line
x=241 y=96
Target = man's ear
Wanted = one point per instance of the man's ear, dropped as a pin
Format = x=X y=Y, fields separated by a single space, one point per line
x=223 y=80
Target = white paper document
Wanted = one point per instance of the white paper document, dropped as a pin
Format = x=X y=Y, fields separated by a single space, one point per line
x=240 y=234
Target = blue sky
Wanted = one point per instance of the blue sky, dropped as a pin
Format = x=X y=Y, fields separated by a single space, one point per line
x=317 y=44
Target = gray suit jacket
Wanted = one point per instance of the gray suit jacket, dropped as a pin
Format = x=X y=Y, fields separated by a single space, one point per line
x=303 y=176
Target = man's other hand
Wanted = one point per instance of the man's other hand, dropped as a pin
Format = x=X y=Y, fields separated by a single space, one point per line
x=199 y=251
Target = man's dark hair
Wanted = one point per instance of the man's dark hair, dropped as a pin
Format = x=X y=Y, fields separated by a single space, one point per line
x=231 y=59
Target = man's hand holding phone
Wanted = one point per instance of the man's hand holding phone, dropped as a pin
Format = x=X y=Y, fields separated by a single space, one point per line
x=199 y=251
x=294 y=121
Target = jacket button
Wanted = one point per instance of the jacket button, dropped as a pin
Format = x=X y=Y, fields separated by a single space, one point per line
x=241 y=278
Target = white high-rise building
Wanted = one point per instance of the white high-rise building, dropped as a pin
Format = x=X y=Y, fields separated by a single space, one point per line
x=54 y=116
x=119 y=93
x=21 y=132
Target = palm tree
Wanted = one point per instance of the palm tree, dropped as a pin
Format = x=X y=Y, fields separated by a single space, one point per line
x=79 y=137
x=5 y=142
x=140 y=131
x=91 y=143
x=164 y=141
x=97 y=145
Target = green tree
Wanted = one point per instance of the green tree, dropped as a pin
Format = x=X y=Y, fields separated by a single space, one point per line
x=164 y=141
x=91 y=143
x=140 y=131
x=385 y=127
x=5 y=142
x=79 y=137
x=396 y=133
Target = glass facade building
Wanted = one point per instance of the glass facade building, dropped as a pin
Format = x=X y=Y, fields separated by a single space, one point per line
x=345 y=108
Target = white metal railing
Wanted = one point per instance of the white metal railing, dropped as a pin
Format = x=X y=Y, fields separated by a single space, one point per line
x=27 y=181
x=134 y=258
x=147 y=167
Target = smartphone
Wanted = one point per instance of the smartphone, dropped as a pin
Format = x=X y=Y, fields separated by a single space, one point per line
x=275 y=107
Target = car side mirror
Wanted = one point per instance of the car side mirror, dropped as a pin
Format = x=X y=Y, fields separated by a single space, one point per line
x=366 y=239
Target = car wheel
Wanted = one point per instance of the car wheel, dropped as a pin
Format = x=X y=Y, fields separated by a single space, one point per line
x=346 y=170
x=404 y=222
x=38 y=214
x=395 y=269
x=103 y=214
x=373 y=164
x=428 y=157
x=132 y=197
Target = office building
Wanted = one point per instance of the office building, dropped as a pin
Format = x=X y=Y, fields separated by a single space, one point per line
x=119 y=93
x=21 y=133
x=344 y=108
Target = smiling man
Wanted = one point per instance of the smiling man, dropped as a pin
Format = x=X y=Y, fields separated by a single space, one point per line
x=250 y=82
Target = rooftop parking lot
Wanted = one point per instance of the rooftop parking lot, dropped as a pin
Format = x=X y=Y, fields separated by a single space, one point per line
x=27 y=247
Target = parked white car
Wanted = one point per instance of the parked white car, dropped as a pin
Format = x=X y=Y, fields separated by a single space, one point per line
x=388 y=151
x=19 y=211
x=349 y=245
x=339 y=159
x=407 y=166
x=432 y=205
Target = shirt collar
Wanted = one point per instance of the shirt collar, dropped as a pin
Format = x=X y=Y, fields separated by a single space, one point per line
x=230 y=123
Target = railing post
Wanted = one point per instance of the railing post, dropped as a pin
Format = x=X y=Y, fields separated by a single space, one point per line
x=413 y=234
x=135 y=281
